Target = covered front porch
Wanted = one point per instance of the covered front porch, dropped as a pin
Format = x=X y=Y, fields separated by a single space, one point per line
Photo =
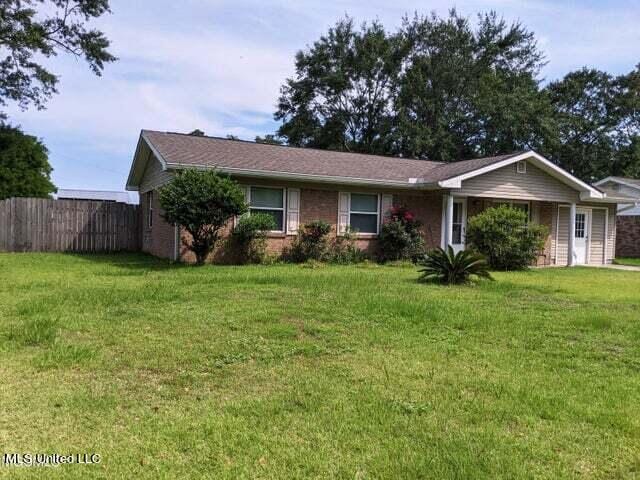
x=579 y=233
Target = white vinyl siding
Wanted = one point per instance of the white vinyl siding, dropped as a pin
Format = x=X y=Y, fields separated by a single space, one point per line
x=154 y=176
x=600 y=250
x=597 y=240
x=505 y=182
x=562 y=245
x=611 y=236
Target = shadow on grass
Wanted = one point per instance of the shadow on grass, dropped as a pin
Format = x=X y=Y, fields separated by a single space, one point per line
x=141 y=262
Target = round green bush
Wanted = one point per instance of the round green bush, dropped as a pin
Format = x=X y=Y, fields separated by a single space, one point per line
x=506 y=238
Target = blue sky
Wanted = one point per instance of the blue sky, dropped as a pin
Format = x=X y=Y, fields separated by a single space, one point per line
x=217 y=65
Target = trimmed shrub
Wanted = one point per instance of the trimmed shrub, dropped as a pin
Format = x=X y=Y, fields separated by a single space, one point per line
x=311 y=243
x=400 y=238
x=249 y=237
x=445 y=266
x=202 y=202
x=506 y=238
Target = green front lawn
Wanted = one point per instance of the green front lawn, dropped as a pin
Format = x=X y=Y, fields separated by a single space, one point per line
x=627 y=261
x=330 y=372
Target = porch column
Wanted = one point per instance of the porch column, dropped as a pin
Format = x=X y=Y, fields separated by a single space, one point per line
x=448 y=220
x=572 y=235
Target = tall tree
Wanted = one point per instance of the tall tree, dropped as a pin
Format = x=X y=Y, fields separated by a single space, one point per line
x=269 y=139
x=587 y=115
x=24 y=165
x=467 y=92
x=342 y=94
x=628 y=129
x=31 y=30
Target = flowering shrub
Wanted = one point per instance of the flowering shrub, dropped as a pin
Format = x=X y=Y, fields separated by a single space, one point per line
x=400 y=238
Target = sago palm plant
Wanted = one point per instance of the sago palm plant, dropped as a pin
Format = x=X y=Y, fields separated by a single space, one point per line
x=445 y=266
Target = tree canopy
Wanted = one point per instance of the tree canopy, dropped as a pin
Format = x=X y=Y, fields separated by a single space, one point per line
x=446 y=89
x=24 y=165
x=31 y=30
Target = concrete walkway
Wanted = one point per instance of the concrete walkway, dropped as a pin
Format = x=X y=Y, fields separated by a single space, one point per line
x=629 y=268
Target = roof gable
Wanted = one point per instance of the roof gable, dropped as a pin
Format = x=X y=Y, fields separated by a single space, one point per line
x=627 y=182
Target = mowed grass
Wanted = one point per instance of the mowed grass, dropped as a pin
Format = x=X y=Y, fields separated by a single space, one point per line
x=334 y=372
x=628 y=261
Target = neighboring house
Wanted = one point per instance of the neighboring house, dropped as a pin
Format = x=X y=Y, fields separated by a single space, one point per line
x=350 y=190
x=628 y=221
x=99 y=195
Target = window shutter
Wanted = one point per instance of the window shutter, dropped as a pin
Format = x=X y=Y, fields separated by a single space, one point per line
x=386 y=204
x=293 y=210
x=343 y=212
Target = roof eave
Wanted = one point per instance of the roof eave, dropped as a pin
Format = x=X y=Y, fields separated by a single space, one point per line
x=305 y=177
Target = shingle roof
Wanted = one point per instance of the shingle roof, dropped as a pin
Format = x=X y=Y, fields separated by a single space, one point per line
x=188 y=150
x=450 y=170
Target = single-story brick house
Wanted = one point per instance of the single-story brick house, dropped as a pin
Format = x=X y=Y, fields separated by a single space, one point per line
x=628 y=220
x=350 y=190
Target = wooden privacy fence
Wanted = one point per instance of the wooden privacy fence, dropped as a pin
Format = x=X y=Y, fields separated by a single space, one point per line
x=46 y=225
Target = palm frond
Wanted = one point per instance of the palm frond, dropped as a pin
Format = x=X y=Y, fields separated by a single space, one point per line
x=446 y=266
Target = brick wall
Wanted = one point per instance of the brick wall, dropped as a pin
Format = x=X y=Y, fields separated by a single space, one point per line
x=159 y=238
x=322 y=204
x=628 y=236
x=427 y=208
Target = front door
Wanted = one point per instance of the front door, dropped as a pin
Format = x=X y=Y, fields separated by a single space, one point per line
x=459 y=224
x=582 y=235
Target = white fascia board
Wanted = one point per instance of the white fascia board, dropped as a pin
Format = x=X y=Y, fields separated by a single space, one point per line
x=137 y=162
x=604 y=180
x=134 y=165
x=587 y=191
x=625 y=207
x=303 y=177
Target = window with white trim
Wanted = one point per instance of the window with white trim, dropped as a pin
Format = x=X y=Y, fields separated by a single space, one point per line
x=364 y=213
x=150 y=209
x=270 y=201
x=581 y=222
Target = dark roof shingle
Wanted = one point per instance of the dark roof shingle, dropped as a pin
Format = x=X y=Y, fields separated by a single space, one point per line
x=187 y=150
x=179 y=149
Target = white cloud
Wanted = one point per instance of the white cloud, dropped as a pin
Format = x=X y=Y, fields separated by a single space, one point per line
x=218 y=65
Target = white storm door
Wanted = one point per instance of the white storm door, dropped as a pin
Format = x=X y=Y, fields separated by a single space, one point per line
x=583 y=226
x=459 y=224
